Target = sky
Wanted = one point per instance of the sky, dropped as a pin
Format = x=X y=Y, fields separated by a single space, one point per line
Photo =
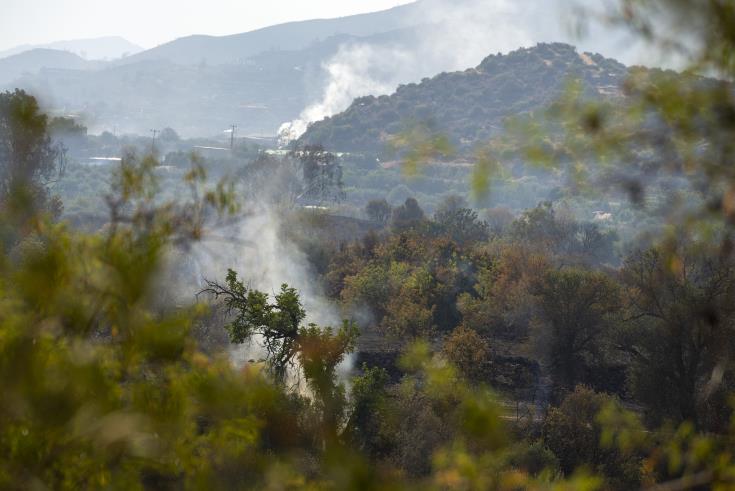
x=148 y=23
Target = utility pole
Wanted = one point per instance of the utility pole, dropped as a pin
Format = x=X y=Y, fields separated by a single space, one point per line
x=62 y=159
x=153 y=140
x=232 y=136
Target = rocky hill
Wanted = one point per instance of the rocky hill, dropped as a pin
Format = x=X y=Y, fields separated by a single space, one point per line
x=471 y=105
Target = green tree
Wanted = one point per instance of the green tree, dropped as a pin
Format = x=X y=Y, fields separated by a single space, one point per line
x=461 y=225
x=680 y=333
x=280 y=329
x=278 y=323
x=379 y=211
x=468 y=352
x=320 y=351
x=27 y=157
x=272 y=179
x=451 y=203
x=408 y=215
x=578 y=308
x=501 y=304
x=369 y=397
x=321 y=172
x=574 y=434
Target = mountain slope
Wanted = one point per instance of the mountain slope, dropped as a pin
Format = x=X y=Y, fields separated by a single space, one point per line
x=469 y=106
x=289 y=36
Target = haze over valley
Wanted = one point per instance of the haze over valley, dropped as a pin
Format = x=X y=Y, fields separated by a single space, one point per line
x=351 y=245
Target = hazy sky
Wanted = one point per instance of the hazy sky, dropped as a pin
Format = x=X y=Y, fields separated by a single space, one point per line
x=151 y=22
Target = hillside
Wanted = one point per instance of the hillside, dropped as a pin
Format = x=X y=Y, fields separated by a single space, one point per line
x=469 y=106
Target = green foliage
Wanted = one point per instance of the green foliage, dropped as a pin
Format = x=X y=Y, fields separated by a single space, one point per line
x=574 y=436
x=467 y=351
x=418 y=144
x=461 y=225
x=99 y=390
x=680 y=301
x=369 y=393
x=578 y=308
x=408 y=215
x=66 y=126
x=278 y=324
x=378 y=211
x=28 y=161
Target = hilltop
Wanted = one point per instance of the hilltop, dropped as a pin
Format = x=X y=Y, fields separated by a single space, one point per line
x=470 y=106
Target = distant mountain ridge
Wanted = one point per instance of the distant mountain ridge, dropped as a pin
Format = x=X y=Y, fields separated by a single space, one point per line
x=282 y=37
x=470 y=106
x=258 y=94
x=202 y=84
x=15 y=66
x=101 y=48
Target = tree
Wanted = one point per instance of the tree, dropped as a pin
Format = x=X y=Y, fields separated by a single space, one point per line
x=468 y=352
x=27 y=156
x=680 y=336
x=369 y=394
x=570 y=240
x=578 y=307
x=593 y=245
x=407 y=314
x=541 y=228
x=572 y=431
x=379 y=211
x=272 y=179
x=117 y=390
x=320 y=351
x=498 y=220
x=451 y=203
x=321 y=172
x=66 y=126
x=279 y=326
x=169 y=135
x=408 y=215
x=501 y=304
x=461 y=225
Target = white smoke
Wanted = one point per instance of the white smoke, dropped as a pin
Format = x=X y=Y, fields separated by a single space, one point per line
x=455 y=35
x=356 y=70
x=264 y=260
x=450 y=35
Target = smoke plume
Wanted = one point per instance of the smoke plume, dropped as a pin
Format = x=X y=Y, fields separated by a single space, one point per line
x=449 y=35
